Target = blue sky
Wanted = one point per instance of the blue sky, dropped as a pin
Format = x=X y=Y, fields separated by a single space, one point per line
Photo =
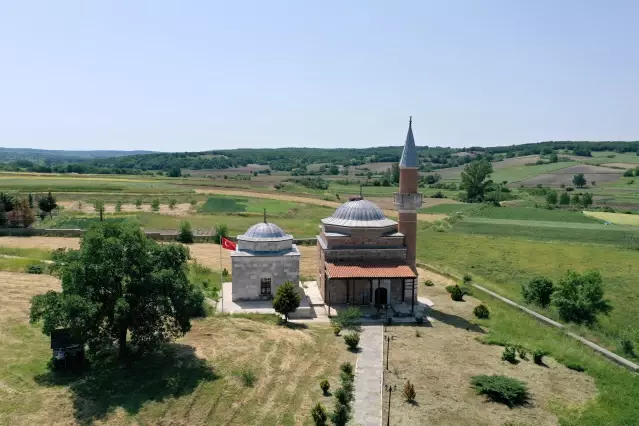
x=192 y=76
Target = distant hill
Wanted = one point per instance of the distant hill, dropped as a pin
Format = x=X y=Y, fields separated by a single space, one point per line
x=56 y=156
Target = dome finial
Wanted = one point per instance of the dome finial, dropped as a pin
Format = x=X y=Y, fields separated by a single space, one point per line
x=265 y=216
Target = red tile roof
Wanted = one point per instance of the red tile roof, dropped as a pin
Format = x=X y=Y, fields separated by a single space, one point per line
x=369 y=270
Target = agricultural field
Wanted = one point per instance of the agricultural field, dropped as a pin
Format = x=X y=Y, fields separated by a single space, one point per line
x=563 y=176
x=616 y=218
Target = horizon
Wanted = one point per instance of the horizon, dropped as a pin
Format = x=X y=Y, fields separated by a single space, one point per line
x=209 y=76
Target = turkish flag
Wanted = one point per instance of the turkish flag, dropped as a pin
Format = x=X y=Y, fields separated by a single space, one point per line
x=228 y=244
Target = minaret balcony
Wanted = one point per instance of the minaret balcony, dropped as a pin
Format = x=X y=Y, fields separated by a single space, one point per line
x=407 y=201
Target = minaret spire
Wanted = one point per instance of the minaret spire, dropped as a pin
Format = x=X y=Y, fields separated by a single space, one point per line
x=409 y=154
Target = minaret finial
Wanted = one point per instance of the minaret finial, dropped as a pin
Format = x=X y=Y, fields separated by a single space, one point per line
x=264 y=215
x=410 y=121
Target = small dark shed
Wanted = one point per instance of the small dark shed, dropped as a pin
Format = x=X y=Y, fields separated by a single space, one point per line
x=67 y=350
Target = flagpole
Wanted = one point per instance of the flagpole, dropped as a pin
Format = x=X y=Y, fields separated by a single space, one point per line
x=221 y=277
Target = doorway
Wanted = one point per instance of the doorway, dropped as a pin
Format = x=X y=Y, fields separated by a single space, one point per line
x=381 y=296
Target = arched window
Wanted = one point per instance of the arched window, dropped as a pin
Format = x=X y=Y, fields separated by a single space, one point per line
x=265 y=286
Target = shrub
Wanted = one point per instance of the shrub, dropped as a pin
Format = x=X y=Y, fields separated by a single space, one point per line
x=341 y=415
x=538 y=291
x=579 y=297
x=186 y=233
x=118 y=206
x=347 y=368
x=172 y=203
x=34 y=269
x=456 y=293
x=429 y=283
x=138 y=202
x=248 y=377
x=337 y=329
x=574 y=366
x=409 y=391
x=287 y=299
x=352 y=340
x=155 y=205
x=324 y=386
x=628 y=348
x=481 y=311
x=523 y=353
x=342 y=396
x=225 y=272
x=467 y=278
x=570 y=189
x=319 y=415
x=503 y=389
x=221 y=230
x=538 y=356
x=349 y=319
x=193 y=202
x=509 y=354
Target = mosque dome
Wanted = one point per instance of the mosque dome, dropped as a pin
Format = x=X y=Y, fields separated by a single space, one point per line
x=358 y=212
x=265 y=231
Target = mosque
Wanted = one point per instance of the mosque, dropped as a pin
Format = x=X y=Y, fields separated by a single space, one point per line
x=364 y=258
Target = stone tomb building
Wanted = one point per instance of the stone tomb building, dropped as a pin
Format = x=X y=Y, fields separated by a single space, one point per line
x=366 y=258
x=264 y=259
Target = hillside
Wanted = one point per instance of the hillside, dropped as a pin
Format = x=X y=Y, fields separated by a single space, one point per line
x=37 y=155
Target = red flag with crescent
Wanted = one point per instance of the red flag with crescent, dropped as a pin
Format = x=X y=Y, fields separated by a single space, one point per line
x=228 y=244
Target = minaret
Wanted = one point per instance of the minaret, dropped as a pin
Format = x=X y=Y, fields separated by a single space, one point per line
x=408 y=200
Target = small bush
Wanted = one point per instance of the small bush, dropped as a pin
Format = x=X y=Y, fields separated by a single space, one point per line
x=337 y=329
x=467 y=278
x=225 y=272
x=319 y=415
x=324 y=386
x=503 y=389
x=628 y=348
x=538 y=356
x=352 y=340
x=341 y=415
x=347 y=368
x=509 y=354
x=456 y=293
x=248 y=377
x=118 y=206
x=186 y=233
x=429 y=283
x=34 y=269
x=409 y=391
x=194 y=202
x=342 y=396
x=481 y=311
x=538 y=291
x=172 y=203
x=138 y=202
x=575 y=366
x=523 y=353
x=155 y=205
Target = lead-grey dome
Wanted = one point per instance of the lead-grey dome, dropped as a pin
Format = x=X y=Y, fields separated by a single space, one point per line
x=265 y=231
x=360 y=213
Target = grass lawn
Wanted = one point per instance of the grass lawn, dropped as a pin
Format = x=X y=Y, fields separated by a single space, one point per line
x=195 y=381
x=31 y=253
x=449 y=208
x=599 y=157
x=533 y=214
x=450 y=341
x=505 y=262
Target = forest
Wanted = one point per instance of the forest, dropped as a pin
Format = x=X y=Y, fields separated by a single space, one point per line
x=292 y=160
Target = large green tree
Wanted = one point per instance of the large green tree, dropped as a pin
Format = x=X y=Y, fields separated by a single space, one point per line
x=579 y=298
x=120 y=284
x=47 y=204
x=579 y=180
x=476 y=180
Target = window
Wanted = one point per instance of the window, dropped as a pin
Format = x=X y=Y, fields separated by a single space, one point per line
x=265 y=286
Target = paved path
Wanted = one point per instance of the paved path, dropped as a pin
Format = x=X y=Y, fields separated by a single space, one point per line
x=368 y=377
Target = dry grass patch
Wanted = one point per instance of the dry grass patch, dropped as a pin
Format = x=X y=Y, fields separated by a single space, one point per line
x=45 y=243
x=198 y=384
x=447 y=354
x=181 y=209
x=618 y=218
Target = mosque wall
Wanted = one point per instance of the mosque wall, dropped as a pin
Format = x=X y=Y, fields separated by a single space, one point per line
x=248 y=272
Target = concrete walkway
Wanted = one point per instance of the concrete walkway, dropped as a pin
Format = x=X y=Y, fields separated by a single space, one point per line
x=368 y=376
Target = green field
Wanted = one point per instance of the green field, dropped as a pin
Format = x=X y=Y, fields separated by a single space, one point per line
x=227 y=204
x=506 y=257
x=517 y=173
x=600 y=157
x=533 y=214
